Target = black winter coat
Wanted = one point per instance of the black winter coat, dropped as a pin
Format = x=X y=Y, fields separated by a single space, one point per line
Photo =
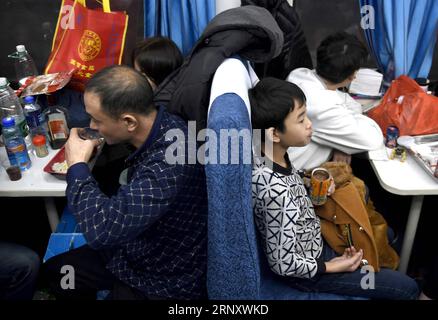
x=295 y=53
x=250 y=32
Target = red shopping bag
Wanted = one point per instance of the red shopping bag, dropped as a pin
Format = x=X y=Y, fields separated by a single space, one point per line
x=86 y=40
x=406 y=106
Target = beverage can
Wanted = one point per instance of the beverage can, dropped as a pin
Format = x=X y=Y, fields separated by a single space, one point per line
x=319 y=186
x=392 y=134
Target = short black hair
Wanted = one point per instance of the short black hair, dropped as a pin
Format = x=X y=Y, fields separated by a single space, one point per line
x=271 y=101
x=122 y=89
x=157 y=57
x=339 y=56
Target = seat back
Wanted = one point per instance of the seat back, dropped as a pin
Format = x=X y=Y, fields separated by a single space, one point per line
x=65 y=238
x=233 y=262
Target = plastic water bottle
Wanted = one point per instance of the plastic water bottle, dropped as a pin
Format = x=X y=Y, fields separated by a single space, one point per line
x=35 y=117
x=10 y=106
x=15 y=145
x=24 y=64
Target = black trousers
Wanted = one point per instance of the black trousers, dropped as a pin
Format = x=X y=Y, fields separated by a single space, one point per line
x=89 y=276
x=430 y=287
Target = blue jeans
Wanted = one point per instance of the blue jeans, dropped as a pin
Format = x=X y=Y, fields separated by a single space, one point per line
x=389 y=284
x=18 y=272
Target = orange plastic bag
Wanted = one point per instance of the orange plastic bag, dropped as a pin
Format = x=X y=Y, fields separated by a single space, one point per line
x=96 y=40
x=406 y=106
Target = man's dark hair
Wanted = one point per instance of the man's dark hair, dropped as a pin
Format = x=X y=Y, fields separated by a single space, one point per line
x=122 y=89
x=339 y=56
x=271 y=101
x=157 y=57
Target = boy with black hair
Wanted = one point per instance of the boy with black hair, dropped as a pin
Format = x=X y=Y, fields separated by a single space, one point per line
x=290 y=230
x=339 y=127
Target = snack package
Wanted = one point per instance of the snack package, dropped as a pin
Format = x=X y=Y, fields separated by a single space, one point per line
x=45 y=84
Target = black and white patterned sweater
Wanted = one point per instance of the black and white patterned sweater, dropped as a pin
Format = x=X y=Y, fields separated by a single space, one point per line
x=284 y=215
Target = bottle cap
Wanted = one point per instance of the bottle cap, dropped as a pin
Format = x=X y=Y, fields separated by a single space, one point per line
x=8 y=122
x=3 y=82
x=39 y=140
x=29 y=99
x=21 y=48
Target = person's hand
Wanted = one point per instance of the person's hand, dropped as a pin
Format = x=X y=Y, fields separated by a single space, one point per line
x=346 y=255
x=306 y=182
x=348 y=262
x=332 y=187
x=79 y=150
x=339 y=156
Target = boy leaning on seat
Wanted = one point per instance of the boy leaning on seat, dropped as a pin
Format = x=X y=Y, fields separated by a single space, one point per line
x=289 y=228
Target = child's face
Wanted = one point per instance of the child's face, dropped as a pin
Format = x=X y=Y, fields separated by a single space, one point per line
x=298 y=128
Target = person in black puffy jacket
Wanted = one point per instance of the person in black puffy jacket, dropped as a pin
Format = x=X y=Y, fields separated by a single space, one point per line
x=295 y=53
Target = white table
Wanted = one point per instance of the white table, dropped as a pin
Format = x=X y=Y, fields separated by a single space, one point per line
x=35 y=183
x=407 y=179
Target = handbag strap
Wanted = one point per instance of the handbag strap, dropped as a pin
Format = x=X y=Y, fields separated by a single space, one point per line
x=105 y=4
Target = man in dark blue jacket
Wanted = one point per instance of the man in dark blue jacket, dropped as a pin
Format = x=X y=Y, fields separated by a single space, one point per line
x=148 y=241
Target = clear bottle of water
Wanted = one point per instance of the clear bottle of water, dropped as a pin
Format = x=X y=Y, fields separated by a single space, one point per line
x=10 y=106
x=24 y=64
x=35 y=117
x=15 y=146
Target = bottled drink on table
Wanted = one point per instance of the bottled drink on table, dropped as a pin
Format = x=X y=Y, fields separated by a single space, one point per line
x=57 y=124
x=35 y=117
x=392 y=134
x=10 y=106
x=39 y=145
x=24 y=64
x=15 y=145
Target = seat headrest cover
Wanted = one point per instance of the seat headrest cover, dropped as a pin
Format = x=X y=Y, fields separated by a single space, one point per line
x=233 y=77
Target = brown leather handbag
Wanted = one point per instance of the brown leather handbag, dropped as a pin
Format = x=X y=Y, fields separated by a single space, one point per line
x=346 y=218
